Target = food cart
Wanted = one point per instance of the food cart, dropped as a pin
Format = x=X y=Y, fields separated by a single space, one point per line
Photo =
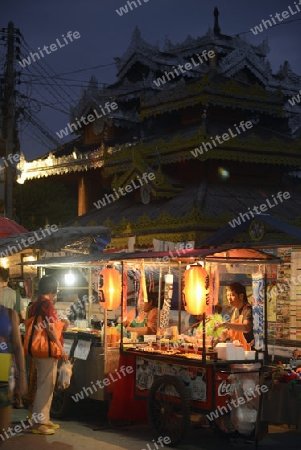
x=175 y=378
x=93 y=352
x=96 y=361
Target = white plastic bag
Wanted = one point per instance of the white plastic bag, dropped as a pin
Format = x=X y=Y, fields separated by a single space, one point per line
x=244 y=413
x=64 y=376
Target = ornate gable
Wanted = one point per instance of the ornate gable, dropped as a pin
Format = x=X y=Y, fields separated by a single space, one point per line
x=245 y=57
x=161 y=187
x=138 y=48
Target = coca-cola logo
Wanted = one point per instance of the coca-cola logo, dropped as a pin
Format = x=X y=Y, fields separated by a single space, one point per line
x=225 y=388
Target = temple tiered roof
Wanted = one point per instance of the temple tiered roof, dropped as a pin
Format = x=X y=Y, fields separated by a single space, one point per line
x=160 y=119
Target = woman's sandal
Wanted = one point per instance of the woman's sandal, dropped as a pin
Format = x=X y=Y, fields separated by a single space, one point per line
x=43 y=429
x=52 y=426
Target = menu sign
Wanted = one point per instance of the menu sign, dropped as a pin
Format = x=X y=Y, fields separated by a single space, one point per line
x=82 y=349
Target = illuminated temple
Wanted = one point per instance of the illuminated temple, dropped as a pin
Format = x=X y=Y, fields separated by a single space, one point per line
x=161 y=119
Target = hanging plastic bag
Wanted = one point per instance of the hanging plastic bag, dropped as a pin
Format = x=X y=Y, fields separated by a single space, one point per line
x=245 y=410
x=64 y=376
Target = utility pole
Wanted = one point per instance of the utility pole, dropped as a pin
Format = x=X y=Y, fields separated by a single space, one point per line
x=9 y=120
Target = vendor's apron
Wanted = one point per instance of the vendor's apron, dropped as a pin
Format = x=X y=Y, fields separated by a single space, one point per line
x=238 y=335
x=136 y=324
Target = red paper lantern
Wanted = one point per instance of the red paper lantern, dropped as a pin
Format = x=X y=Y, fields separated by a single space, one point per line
x=110 y=288
x=196 y=290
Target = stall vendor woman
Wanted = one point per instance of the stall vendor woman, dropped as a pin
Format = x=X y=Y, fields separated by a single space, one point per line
x=240 y=326
x=146 y=320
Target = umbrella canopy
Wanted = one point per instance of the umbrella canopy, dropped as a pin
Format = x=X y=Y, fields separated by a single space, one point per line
x=51 y=239
x=10 y=227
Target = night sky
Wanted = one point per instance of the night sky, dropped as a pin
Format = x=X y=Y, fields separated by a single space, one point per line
x=105 y=35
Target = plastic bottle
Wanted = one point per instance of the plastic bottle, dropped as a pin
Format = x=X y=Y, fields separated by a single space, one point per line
x=113 y=333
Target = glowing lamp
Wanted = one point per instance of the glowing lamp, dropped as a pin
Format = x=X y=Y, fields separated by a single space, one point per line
x=110 y=288
x=69 y=278
x=196 y=290
x=4 y=262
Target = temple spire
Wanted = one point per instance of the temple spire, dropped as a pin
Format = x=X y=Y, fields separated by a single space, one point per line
x=217 y=28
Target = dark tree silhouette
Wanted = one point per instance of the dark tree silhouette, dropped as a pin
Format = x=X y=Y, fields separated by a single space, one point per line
x=44 y=201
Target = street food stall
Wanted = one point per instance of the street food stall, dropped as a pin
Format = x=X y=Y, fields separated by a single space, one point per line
x=93 y=360
x=173 y=378
x=91 y=343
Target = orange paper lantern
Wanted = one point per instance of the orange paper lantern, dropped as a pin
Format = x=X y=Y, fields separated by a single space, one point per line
x=196 y=290
x=110 y=288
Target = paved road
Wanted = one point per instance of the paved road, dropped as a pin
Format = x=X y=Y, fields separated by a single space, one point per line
x=87 y=428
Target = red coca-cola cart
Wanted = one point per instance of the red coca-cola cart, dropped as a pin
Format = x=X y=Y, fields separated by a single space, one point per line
x=176 y=379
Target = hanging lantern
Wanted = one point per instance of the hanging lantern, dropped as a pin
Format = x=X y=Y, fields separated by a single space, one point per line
x=196 y=290
x=109 y=288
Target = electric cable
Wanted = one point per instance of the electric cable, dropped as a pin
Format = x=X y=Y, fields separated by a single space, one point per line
x=55 y=95
x=180 y=48
x=43 y=68
x=59 y=82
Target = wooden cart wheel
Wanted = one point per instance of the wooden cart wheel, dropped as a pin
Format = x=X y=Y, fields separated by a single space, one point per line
x=169 y=408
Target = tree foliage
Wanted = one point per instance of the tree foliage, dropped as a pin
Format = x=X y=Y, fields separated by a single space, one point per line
x=45 y=201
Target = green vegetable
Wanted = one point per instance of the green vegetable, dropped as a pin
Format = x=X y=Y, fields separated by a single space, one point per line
x=213 y=320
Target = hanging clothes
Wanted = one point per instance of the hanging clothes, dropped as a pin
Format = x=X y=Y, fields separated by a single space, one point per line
x=168 y=290
x=142 y=289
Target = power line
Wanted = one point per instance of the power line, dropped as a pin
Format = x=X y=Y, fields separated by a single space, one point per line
x=40 y=130
x=46 y=64
x=180 y=48
x=38 y=140
x=41 y=64
x=54 y=95
x=59 y=84
x=54 y=92
x=87 y=68
x=275 y=25
x=42 y=127
x=47 y=104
